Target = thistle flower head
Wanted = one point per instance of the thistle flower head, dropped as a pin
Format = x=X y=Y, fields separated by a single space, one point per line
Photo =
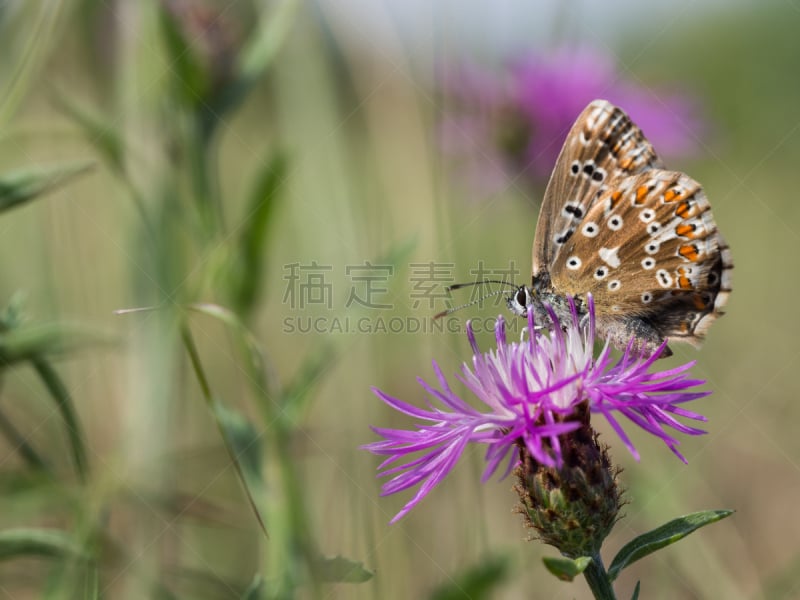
x=529 y=394
x=574 y=506
x=506 y=125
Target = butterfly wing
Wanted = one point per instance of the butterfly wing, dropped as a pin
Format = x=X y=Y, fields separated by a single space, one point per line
x=648 y=248
x=602 y=146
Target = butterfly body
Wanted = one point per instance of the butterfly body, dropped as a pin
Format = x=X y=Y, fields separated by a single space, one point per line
x=637 y=237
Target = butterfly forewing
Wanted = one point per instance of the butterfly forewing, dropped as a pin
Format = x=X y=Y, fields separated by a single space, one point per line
x=602 y=146
x=641 y=239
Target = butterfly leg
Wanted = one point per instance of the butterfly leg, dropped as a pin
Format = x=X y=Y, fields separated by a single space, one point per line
x=643 y=336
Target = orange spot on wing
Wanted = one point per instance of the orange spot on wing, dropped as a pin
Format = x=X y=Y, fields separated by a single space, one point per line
x=671 y=195
x=689 y=252
x=698 y=302
x=686 y=229
x=615 y=198
x=684 y=283
x=641 y=194
x=683 y=209
x=626 y=163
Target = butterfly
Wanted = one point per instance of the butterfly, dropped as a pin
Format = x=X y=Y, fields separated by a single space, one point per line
x=640 y=239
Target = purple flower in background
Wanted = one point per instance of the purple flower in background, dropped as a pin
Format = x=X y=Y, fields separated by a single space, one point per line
x=515 y=126
x=530 y=393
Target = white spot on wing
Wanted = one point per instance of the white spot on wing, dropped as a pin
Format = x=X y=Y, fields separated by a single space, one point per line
x=647 y=215
x=652 y=247
x=609 y=256
x=573 y=263
x=590 y=229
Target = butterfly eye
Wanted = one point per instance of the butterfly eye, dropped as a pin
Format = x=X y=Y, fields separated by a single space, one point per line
x=522 y=297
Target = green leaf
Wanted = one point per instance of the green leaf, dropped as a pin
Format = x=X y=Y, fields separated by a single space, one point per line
x=51 y=543
x=31 y=340
x=258 y=53
x=21 y=445
x=243 y=440
x=253 y=591
x=667 y=534
x=477 y=582
x=23 y=185
x=636 y=591
x=566 y=569
x=99 y=132
x=108 y=141
x=255 y=235
x=66 y=407
x=339 y=569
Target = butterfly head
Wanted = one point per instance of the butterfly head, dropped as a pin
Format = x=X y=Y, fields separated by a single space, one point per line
x=544 y=303
x=520 y=300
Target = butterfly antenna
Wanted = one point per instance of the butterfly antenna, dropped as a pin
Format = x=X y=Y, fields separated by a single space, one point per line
x=450 y=311
x=457 y=286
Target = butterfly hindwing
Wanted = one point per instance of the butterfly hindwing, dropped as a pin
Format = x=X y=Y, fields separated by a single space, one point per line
x=602 y=146
x=649 y=248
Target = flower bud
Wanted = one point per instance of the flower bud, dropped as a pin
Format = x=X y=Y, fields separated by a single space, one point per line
x=572 y=507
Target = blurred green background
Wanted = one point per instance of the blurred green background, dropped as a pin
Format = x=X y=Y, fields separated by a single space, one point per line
x=229 y=141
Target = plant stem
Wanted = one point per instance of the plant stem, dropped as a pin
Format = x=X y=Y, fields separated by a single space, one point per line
x=597 y=579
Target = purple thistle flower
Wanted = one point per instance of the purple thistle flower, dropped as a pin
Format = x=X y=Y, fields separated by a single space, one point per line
x=549 y=93
x=530 y=392
x=500 y=125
